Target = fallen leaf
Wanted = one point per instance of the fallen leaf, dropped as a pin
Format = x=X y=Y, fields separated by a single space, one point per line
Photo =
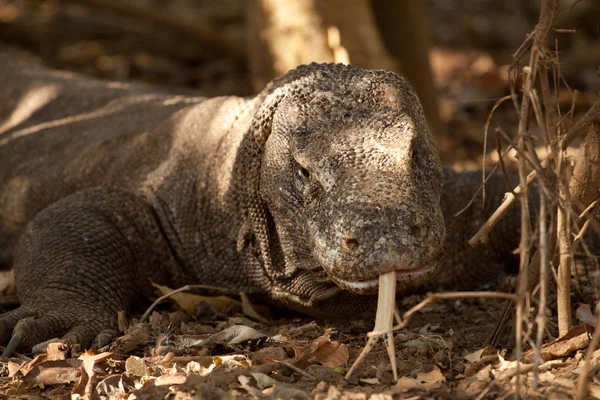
x=87 y=381
x=578 y=337
x=171 y=379
x=54 y=372
x=235 y=334
x=135 y=336
x=194 y=367
x=14 y=366
x=476 y=355
x=287 y=392
x=303 y=355
x=136 y=366
x=40 y=358
x=332 y=354
x=476 y=383
x=232 y=361
x=252 y=391
x=383 y=396
x=546 y=377
x=109 y=386
x=251 y=311
x=594 y=390
x=505 y=364
x=263 y=381
x=431 y=379
x=370 y=381
x=424 y=380
x=189 y=301
x=323 y=350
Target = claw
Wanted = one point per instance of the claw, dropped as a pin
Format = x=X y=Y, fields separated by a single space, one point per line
x=11 y=347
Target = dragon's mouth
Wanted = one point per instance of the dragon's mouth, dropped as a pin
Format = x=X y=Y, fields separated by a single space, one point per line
x=404 y=277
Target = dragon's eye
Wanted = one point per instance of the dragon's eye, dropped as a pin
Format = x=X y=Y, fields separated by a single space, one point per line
x=303 y=173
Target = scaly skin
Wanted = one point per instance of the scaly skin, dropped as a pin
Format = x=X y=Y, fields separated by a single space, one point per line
x=304 y=194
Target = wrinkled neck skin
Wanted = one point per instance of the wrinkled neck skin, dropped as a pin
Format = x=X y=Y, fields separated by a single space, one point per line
x=200 y=211
x=194 y=195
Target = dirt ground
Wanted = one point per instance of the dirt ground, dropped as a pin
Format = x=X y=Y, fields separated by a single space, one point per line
x=186 y=349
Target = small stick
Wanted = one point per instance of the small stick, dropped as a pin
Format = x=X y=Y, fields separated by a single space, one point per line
x=298 y=370
x=432 y=297
x=592 y=115
x=173 y=292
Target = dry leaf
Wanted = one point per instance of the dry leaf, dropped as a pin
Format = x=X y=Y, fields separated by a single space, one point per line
x=476 y=383
x=14 y=366
x=303 y=355
x=424 y=380
x=232 y=362
x=109 y=386
x=578 y=337
x=251 y=311
x=136 y=366
x=332 y=354
x=252 y=391
x=476 y=355
x=370 y=381
x=135 y=336
x=323 y=350
x=87 y=381
x=235 y=334
x=594 y=390
x=171 y=379
x=263 y=381
x=40 y=358
x=54 y=372
x=505 y=364
x=189 y=302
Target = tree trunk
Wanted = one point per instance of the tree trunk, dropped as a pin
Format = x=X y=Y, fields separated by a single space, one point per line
x=285 y=33
x=406 y=33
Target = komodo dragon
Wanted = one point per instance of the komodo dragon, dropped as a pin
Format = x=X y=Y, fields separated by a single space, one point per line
x=302 y=195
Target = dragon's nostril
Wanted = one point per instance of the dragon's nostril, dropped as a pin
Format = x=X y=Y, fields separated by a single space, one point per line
x=351 y=243
x=418 y=231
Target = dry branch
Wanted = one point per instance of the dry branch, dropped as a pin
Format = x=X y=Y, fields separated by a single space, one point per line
x=592 y=116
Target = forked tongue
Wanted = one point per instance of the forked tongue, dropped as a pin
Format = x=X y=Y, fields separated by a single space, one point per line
x=384 y=319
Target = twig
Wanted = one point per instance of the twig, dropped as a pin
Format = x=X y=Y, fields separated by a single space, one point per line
x=497 y=104
x=592 y=115
x=432 y=297
x=540 y=319
x=185 y=288
x=298 y=370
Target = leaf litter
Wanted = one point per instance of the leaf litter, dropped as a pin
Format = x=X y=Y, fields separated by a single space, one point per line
x=300 y=358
